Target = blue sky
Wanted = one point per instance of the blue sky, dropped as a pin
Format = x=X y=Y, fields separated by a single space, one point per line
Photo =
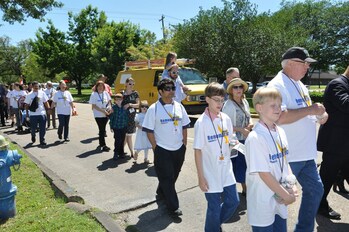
x=145 y=13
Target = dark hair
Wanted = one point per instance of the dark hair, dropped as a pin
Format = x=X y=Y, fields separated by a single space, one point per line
x=35 y=83
x=214 y=89
x=99 y=83
x=164 y=82
x=169 y=56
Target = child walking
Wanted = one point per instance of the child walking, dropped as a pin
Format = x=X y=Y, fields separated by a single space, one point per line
x=142 y=141
x=270 y=182
x=118 y=125
x=213 y=133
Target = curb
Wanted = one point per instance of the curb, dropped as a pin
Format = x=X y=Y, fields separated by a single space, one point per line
x=62 y=189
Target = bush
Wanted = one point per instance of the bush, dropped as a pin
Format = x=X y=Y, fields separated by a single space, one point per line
x=317 y=96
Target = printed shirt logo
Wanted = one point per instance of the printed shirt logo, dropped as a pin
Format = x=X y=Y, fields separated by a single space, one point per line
x=273 y=158
x=224 y=134
x=173 y=119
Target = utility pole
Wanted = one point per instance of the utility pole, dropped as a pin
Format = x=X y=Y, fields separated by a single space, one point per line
x=163 y=27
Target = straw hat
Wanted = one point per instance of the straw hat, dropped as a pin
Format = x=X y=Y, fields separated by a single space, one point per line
x=237 y=81
x=3 y=143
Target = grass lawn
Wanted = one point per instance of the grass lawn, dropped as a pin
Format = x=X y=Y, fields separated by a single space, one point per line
x=37 y=207
x=84 y=97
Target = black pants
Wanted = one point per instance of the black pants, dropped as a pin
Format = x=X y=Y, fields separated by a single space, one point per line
x=330 y=166
x=2 y=114
x=119 y=138
x=63 y=125
x=102 y=123
x=168 y=165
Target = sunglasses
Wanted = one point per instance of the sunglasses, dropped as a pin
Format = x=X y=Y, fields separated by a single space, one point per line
x=131 y=84
x=303 y=62
x=238 y=87
x=175 y=72
x=169 y=88
x=146 y=107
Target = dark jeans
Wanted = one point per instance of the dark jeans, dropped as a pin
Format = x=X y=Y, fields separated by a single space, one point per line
x=168 y=164
x=18 y=117
x=2 y=114
x=102 y=123
x=119 y=138
x=34 y=121
x=330 y=166
x=63 y=125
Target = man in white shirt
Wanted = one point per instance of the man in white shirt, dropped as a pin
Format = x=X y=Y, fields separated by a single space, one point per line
x=50 y=92
x=37 y=115
x=298 y=119
x=14 y=97
x=166 y=123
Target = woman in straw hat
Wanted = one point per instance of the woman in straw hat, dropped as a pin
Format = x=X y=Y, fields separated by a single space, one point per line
x=238 y=109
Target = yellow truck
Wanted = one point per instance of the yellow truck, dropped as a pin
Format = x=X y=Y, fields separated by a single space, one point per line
x=147 y=74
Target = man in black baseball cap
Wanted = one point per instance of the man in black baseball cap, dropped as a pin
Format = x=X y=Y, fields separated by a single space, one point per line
x=298 y=53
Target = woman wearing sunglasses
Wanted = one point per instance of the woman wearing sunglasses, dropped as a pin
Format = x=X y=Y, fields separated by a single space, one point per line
x=238 y=109
x=131 y=103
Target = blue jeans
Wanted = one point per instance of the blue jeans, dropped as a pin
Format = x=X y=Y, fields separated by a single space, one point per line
x=219 y=212
x=279 y=225
x=34 y=121
x=63 y=125
x=312 y=191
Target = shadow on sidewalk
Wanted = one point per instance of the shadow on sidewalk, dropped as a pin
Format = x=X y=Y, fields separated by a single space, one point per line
x=110 y=163
x=136 y=167
x=154 y=220
x=327 y=225
x=88 y=153
x=89 y=140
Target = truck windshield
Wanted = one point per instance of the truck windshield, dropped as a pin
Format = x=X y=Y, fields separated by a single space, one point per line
x=191 y=76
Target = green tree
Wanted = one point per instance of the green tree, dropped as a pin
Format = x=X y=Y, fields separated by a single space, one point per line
x=19 y=10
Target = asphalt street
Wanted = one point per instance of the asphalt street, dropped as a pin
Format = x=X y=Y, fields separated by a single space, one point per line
x=126 y=189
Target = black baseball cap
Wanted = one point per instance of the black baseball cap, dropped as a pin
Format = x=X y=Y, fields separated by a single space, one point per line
x=298 y=52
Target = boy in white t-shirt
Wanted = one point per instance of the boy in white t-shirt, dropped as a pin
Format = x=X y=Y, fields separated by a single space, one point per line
x=269 y=179
x=213 y=132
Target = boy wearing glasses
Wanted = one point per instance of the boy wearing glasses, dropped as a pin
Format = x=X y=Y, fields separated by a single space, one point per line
x=166 y=123
x=213 y=133
x=118 y=125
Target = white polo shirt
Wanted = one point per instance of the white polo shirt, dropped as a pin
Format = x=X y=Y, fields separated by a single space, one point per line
x=261 y=156
x=63 y=100
x=42 y=99
x=218 y=173
x=158 y=121
x=301 y=134
x=101 y=100
x=14 y=96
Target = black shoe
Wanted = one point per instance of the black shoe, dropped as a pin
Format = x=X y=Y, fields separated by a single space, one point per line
x=115 y=157
x=43 y=143
x=329 y=213
x=33 y=139
x=176 y=213
x=12 y=124
x=67 y=139
x=105 y=148
x=60 y=136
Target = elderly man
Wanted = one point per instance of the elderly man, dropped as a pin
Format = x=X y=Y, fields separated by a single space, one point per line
x=333 y=138
x=230 y=74
x=298 y=119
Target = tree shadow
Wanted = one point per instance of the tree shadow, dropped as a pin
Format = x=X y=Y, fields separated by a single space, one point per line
x=89 y=140
x=241 y=210
x=327 y=225
x=106 y=164
x=154 y=220
x=88 y=153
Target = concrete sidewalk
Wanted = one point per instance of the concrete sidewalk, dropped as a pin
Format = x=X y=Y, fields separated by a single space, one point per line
x=126 y=190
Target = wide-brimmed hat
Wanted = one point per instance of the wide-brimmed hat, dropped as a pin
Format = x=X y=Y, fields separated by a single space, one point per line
x=3 y=143
x=237 y=81
x=298 y=52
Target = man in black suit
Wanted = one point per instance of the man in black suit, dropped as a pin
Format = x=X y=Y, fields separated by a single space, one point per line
x=333 y=138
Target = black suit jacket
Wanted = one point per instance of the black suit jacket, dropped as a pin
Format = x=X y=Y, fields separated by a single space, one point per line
x=334 y=134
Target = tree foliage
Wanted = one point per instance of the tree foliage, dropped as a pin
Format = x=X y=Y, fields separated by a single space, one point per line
x=19 y=10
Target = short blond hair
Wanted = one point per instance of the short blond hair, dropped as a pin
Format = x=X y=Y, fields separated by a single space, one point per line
x=264 y=94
